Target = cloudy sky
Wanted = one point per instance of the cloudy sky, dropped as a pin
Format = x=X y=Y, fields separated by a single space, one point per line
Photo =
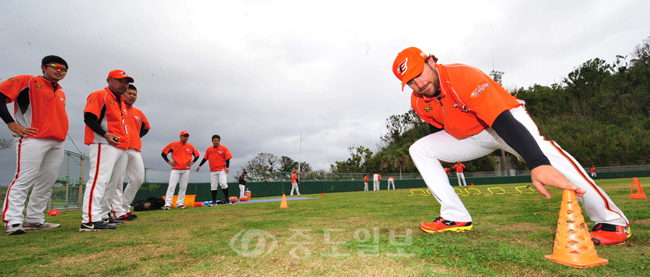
x=260 y=73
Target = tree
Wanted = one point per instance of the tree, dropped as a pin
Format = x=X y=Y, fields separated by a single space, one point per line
x=359 y=156
x=289 y=165
x=262 y=166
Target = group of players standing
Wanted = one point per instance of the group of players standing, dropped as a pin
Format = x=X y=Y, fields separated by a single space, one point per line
x=113 y=131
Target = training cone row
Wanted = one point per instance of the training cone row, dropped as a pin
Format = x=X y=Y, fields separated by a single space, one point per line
x=573 y=245
x=283 y=204
x=639 y=191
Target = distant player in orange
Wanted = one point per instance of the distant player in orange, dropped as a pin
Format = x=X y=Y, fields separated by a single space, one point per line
x=294 y=183
x=365 y=183
x=593 y=171
x=182 y=153
x=375 y=182
x=447 y=170
x=219 y=157
x=470 y=115
x=459 y=167
x=40 y=127
x=391 y=181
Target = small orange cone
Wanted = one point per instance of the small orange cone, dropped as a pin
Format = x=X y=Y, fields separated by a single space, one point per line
x=472 y=184
x=573 y=245
x=639 y=191
x=283 y=204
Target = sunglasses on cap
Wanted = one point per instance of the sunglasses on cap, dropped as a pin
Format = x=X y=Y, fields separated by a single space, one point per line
x=56 y=67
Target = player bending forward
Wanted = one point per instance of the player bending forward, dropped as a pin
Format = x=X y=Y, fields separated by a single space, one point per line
x=470 y=116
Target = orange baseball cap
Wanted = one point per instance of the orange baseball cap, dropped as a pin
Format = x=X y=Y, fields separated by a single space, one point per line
x=409 y=64
x=294 y=171
x=185 y=133
x=120 y=74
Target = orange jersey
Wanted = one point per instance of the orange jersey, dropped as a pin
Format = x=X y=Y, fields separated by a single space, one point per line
x=469 y=101
x=110 y=113
x=181 y=154
x=294 y=178
x=459 y=167
x=447 y=170
x=217 y=157
x=136 y=121
x=365 y=179
x=38 y=103
x=391 y=178
x=593 y=169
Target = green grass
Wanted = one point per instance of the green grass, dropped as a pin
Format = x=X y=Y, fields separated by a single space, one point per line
x=511 y=235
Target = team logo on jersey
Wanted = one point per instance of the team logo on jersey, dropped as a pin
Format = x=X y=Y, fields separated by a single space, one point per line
x=12 y=79
x=401 y=69
x=91 y=101
x=137 y=118
x=480 y=88
x=428 y=108
x=188 y=150
x=220 y=152
x=112 y=102
x=39 y=86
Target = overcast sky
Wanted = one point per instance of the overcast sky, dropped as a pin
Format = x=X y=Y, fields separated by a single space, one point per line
x=260 y=73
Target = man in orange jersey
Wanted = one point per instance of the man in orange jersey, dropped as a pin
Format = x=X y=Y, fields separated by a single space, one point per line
x=138 y=126
x=470 y=115
x=391 y=181
x=294 y=183
x=365 y=183
x=108 y=138
x=593 y=171
x=219 y=157
x=40 y=127
x=459 y=167
x=182 y=153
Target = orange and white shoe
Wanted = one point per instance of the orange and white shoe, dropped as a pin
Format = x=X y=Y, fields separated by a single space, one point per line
x=608 y=234
x=442 y=225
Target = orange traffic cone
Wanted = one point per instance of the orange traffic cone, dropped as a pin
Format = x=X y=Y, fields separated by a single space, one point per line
x=472 y=184
x=573 y=245
x=283 y=204
x=639 y=191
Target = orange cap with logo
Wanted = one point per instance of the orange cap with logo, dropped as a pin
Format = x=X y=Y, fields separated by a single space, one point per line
x=120 y=74
x=409 y=64
x=185 y=133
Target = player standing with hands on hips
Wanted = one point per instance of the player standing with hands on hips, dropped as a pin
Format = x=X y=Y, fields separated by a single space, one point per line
x=108 y=139
x=40 y=128
x=182 y=153
x=459 y=167
x=219 y=157
x=470 y=115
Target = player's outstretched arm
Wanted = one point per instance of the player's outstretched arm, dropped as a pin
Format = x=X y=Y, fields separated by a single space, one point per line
x=546 y=175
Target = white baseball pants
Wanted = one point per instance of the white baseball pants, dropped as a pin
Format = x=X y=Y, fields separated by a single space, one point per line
x=391 y=182
x=294 y=186
x=375 y=185
x=365 y=186
x=181 y=177
x=242 y=191
x=135 y=172
x=38 y=164
x=217 y=179
x=107 y=165
x=461 y=176
x=441 y=146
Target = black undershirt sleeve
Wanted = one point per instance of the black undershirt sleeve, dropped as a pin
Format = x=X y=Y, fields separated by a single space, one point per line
x=434 y=129
x=202 y=162
x=520 y=139
x=228 y=163
x=4 y=112
x=143 y=131
x=196 y=158
x=91 y=121
x=164 y=156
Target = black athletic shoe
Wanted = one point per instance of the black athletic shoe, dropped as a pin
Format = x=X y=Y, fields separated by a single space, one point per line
x=113 y=221
x=125 y=217
x=132 y=215
x=95 y=226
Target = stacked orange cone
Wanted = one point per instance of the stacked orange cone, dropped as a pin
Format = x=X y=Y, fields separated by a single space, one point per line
x=639 y=191
x=283 y=204
x=573 y=245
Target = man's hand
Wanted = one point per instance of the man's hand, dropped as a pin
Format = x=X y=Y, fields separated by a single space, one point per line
x=197 y=169
x=546 y=175
x=22 y=131
x=112 y=139
x=172 y=163
x=190 y=164
x=227 y=170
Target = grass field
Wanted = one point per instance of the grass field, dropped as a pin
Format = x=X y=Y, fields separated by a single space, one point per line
x=339 y=234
